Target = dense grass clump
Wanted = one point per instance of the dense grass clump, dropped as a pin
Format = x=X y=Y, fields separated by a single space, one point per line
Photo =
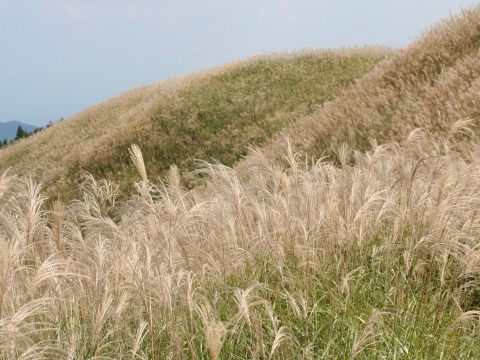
x=374 y=260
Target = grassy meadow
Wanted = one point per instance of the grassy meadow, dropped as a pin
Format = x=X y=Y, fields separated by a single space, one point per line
x=212 y=115
x=431 y=84
x=352 y=232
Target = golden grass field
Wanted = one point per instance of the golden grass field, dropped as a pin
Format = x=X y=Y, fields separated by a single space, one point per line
x=351 y=231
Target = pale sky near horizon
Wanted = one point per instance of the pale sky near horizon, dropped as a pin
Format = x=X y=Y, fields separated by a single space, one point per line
x=59 y=57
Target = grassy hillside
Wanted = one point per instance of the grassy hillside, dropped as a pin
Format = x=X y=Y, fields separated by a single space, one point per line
x=214 y=114
x=432 y=83
x=375 y=255
x=309 y=261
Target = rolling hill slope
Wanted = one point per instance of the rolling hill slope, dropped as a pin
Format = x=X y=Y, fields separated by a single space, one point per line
x=431 y=83
x=372 y=252
x=214 y=114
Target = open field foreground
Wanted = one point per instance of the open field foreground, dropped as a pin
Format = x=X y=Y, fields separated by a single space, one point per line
x=311 y=260
x=355 y=235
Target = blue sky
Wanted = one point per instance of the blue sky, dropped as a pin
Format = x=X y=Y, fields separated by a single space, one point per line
x=59 y=57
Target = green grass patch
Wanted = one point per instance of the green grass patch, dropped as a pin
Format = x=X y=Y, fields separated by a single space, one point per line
x=218 y=117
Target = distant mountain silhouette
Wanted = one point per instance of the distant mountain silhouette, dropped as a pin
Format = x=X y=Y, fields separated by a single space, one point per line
x=8 y=130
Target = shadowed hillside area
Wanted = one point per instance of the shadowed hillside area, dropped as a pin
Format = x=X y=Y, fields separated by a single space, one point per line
x=352 y=232
x=209 y=115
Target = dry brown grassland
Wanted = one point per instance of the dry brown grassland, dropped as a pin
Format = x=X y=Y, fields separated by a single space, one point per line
x=312 y=260
x=374 y=255
x=431 y=83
